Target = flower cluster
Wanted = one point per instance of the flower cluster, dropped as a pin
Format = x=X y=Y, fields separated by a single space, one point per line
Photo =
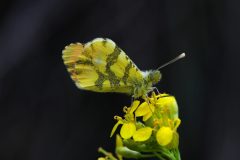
x=149 y=129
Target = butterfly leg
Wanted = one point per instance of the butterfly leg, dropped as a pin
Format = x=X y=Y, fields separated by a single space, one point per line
x=155 y=88
x=146 y=98
x=132 y=99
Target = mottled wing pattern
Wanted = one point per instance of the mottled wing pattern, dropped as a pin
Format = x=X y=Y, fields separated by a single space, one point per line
x=101 y=66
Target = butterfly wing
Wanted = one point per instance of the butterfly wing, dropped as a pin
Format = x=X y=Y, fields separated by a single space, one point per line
x=101 y=66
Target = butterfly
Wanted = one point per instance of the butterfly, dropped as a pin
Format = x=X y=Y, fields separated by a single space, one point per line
x=101 y=66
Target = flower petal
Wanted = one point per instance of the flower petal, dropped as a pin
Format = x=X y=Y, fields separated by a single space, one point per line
x=142 y=134
x=127 y=130
x=170 y=103
x=164 y=136
x=147 y=116
x=142 y=109
x=134 y=106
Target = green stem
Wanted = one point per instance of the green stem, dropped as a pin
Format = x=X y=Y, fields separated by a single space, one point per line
x=159 y=156
x=147 y=155
x=167 y=154
x=178 y=154
x=108 y=154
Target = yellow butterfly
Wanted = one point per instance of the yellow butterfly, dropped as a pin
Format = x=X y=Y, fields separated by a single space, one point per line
x=101 y=66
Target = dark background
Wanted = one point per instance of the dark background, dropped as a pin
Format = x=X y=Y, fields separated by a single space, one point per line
x=43 y=116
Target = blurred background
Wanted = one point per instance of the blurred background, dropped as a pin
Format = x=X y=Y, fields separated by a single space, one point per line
x=44 y=116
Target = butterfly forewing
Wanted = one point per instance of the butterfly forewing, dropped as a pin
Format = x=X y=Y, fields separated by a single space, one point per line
x=101 y=66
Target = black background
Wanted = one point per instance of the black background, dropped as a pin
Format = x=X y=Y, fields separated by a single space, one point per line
x=43 y=116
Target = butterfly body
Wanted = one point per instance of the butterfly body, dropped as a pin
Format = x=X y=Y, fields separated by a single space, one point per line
x=101 y=66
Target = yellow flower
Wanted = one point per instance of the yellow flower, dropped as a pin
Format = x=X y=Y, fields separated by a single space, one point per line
x=168 y=105
x=164 y=110
x=128 y=124
x=146 y=110
x=165 y=134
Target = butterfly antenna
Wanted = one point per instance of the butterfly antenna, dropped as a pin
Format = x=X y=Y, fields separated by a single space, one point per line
x=172 y=61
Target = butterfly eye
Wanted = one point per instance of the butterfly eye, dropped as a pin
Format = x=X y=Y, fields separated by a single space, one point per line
x=155 y=76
